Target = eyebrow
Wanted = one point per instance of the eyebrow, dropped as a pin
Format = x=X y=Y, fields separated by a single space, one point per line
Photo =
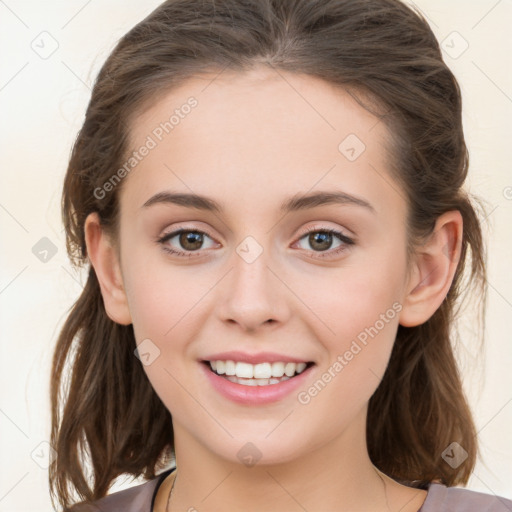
x=294 y=203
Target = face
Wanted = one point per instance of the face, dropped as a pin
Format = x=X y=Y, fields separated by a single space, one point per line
x=268 y=284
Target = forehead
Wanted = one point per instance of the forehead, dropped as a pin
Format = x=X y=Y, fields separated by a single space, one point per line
x=265 y=132
x=285 y=104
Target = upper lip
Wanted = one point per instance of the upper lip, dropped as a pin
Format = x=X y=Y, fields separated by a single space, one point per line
x=260 y=357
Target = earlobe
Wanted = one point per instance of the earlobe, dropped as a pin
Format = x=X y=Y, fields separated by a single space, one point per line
x=104 y=259
x=435 y=264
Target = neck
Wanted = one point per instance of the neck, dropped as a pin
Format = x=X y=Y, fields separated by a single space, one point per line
x=335 y=475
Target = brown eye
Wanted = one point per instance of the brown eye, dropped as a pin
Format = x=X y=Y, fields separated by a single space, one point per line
x=190 y=240
x=321 y=240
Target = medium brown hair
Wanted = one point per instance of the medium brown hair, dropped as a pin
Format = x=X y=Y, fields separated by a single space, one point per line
x=106 y=414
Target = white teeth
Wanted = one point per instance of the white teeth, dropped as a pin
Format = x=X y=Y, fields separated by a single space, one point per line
x=244 y=370
x=262 y=371
x=267 y=372
x=289 y=369
x=301 y=367
x=230 y=368
x=277 y=369
x=256 y=382
x=220 y=367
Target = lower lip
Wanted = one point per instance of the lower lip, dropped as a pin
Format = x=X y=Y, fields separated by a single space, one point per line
x=255 y=395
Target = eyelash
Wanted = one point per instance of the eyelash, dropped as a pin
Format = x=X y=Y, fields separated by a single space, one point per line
x=321 y=254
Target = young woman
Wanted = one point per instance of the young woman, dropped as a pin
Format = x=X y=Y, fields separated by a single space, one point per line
x=269 y=195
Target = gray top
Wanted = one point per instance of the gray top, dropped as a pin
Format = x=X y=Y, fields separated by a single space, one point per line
x=440 y=498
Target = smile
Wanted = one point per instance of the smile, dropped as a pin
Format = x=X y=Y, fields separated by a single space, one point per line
x=284 y=379
x=261 y=374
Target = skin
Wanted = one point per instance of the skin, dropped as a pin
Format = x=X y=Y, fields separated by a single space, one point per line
x=254 y=140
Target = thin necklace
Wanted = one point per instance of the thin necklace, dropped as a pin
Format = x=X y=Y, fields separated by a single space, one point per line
x=170 y=493
x=384 y=484
x=378 y=474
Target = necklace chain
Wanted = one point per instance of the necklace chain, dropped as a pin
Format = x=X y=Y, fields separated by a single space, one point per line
x=378 y=474
x=384 y=484
x=170 y=493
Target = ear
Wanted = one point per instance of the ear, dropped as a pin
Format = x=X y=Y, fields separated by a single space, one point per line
x=104 y=259
x=433 y=270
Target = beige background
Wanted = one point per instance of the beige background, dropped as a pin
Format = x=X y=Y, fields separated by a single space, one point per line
x=42 y=102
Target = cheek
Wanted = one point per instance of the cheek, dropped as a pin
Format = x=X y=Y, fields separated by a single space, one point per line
x=161 y=298
x=357 y=357
x=164 y=320
x=165 y=303
x=359 y=311
x=354 y=298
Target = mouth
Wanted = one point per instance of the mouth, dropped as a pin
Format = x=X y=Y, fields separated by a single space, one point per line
x=261 y=374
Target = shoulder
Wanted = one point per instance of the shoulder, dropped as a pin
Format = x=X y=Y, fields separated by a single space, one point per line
x=454 y=499
x=138 y=498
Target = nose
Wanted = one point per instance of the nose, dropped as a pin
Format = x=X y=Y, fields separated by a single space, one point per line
x=253 y=295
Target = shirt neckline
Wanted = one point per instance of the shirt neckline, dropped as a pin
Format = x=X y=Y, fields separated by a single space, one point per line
x=167 y=472
x=159 y=482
